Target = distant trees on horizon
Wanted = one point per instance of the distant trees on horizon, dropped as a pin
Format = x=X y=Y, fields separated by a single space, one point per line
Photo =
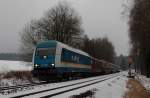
x=11 y=56
x=100 y=48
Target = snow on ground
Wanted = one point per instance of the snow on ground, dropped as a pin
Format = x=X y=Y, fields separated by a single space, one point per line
x=144 y=80
x=112 y=88
x=7 y=66
x=54 y=85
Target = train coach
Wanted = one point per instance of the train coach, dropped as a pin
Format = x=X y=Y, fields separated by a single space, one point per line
x=53 y=59
x=100 y=67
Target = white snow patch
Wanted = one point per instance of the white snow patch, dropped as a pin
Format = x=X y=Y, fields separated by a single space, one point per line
x=113 y=89
x=7 y=66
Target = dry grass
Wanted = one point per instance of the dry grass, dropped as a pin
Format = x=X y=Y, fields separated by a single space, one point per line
x=15 y=78
x=136 y=90
x=16 y=75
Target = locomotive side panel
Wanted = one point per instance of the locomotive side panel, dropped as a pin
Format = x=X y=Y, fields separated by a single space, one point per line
x=72 y=62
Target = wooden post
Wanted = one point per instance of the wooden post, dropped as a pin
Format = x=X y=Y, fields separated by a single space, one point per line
x=130 y=62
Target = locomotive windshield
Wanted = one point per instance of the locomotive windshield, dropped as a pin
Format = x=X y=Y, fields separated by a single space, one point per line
x=45 y=51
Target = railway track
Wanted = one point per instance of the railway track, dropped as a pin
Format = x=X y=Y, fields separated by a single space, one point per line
x=53 y=91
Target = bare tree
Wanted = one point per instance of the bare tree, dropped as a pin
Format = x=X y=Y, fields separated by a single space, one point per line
x=28 y=41
x=61 y=23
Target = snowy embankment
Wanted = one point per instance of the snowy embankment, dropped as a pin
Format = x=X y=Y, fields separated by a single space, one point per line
x=144 y=80
x=7 y=66
x=115 y=87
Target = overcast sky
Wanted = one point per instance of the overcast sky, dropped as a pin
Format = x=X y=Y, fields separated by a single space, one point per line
x=100 y=18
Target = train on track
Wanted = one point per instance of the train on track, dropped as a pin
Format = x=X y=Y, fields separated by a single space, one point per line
x=53 y=59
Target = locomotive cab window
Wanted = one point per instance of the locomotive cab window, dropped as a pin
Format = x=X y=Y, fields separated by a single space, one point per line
x=45 y=51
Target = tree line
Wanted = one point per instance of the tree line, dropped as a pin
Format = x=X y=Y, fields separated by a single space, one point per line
x=139 y=32
x=100 y=48
x=64 y=24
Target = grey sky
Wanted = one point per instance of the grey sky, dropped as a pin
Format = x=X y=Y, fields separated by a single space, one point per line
x=100 y=18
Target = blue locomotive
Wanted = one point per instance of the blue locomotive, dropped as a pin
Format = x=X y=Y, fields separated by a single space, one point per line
x=53 y=59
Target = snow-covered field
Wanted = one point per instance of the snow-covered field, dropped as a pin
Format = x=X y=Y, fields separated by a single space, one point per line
x=7 y=66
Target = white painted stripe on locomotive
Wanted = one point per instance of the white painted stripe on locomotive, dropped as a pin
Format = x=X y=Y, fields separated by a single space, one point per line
x=76 y=65
x=58 y=56
x=33 y=57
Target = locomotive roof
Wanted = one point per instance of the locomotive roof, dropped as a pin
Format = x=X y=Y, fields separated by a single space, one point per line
x=54 y=43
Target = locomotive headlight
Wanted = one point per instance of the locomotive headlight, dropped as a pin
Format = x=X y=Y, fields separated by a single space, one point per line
x=44 y=57
x=52 y=64
x=36 y=65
